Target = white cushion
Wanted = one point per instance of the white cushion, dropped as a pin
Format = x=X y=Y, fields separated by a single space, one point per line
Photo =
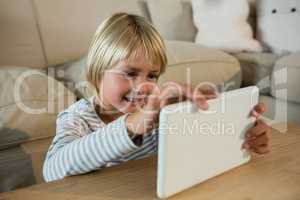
x=223 y=24
x=278 y=25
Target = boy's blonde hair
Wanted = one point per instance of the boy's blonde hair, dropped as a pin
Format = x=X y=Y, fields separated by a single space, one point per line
x=120 y=37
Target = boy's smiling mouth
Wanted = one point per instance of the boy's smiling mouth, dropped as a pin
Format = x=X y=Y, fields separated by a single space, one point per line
x=134 y=99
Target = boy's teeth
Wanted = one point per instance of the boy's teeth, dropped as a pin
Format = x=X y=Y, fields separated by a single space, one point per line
x=129 y=98
x=132 y=98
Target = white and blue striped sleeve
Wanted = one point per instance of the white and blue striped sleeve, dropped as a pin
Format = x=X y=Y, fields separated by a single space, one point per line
x=73 y=153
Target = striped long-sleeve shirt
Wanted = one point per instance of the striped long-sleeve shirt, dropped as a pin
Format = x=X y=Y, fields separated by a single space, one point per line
x=84 y=143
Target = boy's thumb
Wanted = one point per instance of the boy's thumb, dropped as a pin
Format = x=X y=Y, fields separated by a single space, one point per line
x=153 y=102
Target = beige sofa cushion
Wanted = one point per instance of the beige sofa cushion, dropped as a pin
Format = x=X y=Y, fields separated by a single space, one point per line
x=29 y=103
x=286 y=78
x=189 y=61
x=67 y=26
x=186 y=61
x=257 y=69
x=19 y=37
x=173 y=19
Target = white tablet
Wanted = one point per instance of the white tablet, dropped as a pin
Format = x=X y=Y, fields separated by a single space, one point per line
x=195 y=145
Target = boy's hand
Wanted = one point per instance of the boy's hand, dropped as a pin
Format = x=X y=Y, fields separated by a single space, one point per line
x=146 y=119
x=174 y=92
x=258 y=137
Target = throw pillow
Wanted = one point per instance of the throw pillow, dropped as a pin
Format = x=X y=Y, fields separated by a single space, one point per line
x=278 y=25
x=223 y=24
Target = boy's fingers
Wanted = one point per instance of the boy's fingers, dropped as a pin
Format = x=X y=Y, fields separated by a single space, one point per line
x=203 y=93
x=246 y=145
x=187 y=91
x=152 y=101
x=260 y=128
x=210 y=94
x=200 y=100
x=169 y=100
x=174 y=92
x=263 y=149
x=202 y=103
x=209 y=90
x=172 y=88
x=259 y=109
x=260 y=140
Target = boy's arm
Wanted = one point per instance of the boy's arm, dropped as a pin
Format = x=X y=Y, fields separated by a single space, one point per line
x=72 y=152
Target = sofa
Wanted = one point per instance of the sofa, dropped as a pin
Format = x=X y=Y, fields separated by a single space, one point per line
x=42 y=58
x=275 y=70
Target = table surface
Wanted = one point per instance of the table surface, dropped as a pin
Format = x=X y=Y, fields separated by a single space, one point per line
x=272 y=176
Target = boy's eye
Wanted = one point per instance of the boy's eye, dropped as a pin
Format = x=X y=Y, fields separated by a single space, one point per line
x=130 y=74
x=153 y=76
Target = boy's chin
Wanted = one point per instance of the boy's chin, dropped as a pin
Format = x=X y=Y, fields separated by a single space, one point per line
x=130 y=108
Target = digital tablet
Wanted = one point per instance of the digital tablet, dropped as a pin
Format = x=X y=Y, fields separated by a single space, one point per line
x=196 y=145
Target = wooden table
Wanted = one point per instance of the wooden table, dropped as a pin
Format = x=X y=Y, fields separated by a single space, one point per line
x=269 y=177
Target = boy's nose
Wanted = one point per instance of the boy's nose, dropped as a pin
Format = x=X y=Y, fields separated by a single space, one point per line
x=145 y=87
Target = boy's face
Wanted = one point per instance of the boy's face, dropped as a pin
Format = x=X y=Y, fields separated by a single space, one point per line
x=124 y=88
